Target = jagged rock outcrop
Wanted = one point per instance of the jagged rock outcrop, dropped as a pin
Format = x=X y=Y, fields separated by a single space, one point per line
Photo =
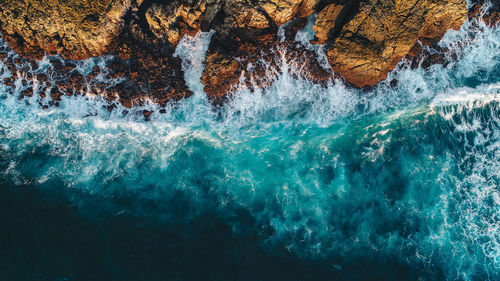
x=365 y=45
x=74 y=29
x=247 y=51
x=486 y=11
x=176 y=20
x=131 y=82
x=364 y=39
x=142 y=36
x=220 y=74
x=257 y=64
x=82 y=29
x=325 y=22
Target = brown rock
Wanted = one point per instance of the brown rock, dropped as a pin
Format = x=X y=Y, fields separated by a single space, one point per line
x=365 y=40
x=280 y=11
x=241 y=14
x=369 y=45
x=326 y=21
x=55 y=94
x=8 y=82
x=220 y=74
x=490 y=17
x=41 y=77
x=174 y=20
x=265 y=13
x=259 y=64
x=27 y=92
x=307 y=7
x=75 y=29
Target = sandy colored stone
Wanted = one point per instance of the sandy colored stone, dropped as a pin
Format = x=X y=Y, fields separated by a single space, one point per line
x=75 y=29
x=280 y=11
x=242 y=14
x=307 y=8
x=383 y=32
x=220 y=74
x=265 y=13
x=326 y=21
x=174 y=21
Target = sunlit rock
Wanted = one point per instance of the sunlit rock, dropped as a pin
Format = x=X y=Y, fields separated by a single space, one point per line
x=370 y=44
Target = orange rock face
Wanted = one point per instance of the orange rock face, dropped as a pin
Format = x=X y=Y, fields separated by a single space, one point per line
x=258 y=63
x=325 y=22
x=381 y=33
x=221 y=73
x=365 y=40
x=142 y=36
x=174 y=21
x=74 y=29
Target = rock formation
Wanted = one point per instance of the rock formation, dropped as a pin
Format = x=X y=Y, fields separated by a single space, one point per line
x=364 y=39
x=257 y=61
x=74 y=29
x=366 y=45
x=174 y=21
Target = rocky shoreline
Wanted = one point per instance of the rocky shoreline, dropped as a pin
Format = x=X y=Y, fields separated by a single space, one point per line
x=363 y=41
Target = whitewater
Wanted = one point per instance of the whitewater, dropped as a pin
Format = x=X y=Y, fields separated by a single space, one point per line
x=330 y=175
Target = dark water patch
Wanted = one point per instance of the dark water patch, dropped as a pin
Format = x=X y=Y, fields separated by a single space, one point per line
x=46 y=237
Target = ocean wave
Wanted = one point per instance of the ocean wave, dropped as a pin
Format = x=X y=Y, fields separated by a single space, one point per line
x=409 y=172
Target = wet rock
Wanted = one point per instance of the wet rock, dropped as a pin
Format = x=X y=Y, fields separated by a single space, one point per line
x=257 y=64
x=96 y=70
x=41 y=77
x=8 y=82
x=27 y=92
x=55 y=94
x=152 y=73
x=428 y=52
x=482 y=11
x=364 y=41
x=220 y=75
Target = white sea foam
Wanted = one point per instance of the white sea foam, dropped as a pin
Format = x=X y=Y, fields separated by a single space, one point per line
x=411 y=170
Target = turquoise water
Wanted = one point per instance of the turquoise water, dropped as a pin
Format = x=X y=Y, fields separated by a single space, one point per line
x=397 y=183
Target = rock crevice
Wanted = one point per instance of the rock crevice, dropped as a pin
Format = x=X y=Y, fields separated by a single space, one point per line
x=364 y=39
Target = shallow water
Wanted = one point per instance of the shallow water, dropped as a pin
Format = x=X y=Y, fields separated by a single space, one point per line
x=297 y=182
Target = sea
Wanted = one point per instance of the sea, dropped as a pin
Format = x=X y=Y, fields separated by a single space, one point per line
x=297 y=181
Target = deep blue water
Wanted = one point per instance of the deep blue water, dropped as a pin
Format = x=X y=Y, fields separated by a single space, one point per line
x=297 y=182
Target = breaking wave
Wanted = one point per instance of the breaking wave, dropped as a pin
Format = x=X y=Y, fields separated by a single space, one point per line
x=406 y=175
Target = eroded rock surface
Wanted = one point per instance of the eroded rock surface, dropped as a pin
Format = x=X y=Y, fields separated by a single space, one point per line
x=258 y=63
x=74 y=29
x=364 y=39
x=174 y=21
x=367 y=46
